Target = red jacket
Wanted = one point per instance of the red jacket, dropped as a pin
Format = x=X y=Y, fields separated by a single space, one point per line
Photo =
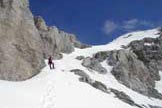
x=50 y=60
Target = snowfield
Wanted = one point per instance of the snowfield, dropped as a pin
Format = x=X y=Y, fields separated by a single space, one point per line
x=60 y=88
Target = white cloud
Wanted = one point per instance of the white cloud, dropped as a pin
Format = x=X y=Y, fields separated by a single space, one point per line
x=109 y=27
x=135 y=24
x=129 y=25
x=148 y=23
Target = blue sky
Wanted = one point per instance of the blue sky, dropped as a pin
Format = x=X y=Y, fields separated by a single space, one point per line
x=99 y=21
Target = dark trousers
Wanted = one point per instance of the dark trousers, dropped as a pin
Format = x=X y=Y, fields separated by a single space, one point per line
x=51 y=65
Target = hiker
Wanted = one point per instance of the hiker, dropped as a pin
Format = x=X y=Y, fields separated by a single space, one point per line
x=50 y=63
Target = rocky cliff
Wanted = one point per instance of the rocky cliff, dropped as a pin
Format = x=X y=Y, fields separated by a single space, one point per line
x=136 y=66
x=26 y=40
x=56 y=41
x=21 y=54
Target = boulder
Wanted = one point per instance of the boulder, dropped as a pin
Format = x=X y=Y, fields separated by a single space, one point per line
x=94 y=64
x=80 y=57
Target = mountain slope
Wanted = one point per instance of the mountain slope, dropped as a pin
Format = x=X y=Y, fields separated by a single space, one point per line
x=60 y=88
x=26 y=40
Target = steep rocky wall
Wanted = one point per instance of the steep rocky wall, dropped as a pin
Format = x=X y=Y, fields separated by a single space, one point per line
x=56 y=41
x=25 y=41
x=133 y=73
x=137 y=66
x=21 y=54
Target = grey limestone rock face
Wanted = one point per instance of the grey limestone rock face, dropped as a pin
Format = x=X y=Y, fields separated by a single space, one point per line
x=56 y=41
x=129 y=70
x=25 y=41
x=151 y=54
x=132 y=72
x=94 y=64
x=101 y=56
x=21 y=54
x=138 y=68
x=80 y=45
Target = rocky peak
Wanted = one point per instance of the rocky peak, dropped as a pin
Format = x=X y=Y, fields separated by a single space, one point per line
x=40 y=23
x=56 y=41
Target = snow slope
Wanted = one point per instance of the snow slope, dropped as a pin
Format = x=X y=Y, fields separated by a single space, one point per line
x=60 y=88
x=159 y=84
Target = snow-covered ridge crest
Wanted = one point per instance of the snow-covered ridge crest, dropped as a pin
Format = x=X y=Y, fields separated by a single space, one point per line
x=128 y=41
x=121 y=41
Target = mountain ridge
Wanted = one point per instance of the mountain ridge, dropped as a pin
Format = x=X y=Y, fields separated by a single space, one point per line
x=28 y=41
x=124 y=73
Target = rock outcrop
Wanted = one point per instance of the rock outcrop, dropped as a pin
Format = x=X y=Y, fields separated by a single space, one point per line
x=21 y=54
x=25 y=41
x=87 y=79
x=101 y=56
x=83 y=76
x=80 y=57
x=94 y=64
x=56 y=41
x=132 y=72
x=149 y=51
x=124 y=97
x=154 y=106
x=136 y=66
x=101 y=86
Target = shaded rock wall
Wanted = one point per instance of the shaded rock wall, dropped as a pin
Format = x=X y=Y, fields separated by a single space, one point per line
x=25 y=41
x=21 y=54
x=131 y=72
x=56 y=41
x=94 y=64
x=137 y=66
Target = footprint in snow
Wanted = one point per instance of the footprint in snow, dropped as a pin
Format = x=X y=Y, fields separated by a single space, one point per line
x=48 y=97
